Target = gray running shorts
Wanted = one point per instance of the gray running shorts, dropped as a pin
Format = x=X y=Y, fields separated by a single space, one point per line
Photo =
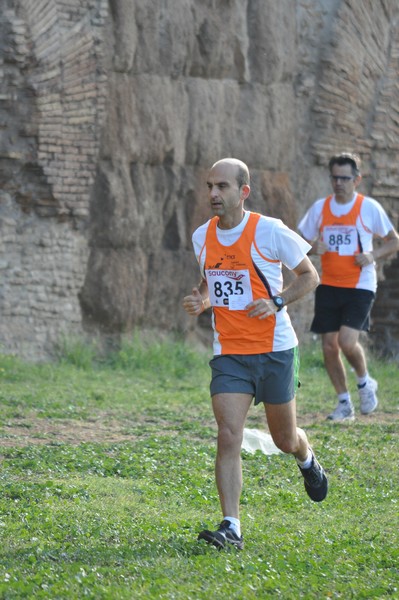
x=271 y=377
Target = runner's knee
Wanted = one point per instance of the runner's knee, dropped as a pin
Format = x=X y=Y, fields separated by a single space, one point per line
x=287 y=444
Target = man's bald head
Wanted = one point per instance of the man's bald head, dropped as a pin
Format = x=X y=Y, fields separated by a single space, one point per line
x=242 y=172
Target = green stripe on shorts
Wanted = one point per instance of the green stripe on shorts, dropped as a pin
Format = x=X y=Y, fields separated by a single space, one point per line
x=297 y=362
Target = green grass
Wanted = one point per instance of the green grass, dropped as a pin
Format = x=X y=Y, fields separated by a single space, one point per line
x=119 y=520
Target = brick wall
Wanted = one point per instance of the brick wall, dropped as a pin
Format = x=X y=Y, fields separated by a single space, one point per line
x=52 y=105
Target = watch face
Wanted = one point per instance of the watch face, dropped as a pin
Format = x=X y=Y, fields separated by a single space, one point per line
x=278 y=301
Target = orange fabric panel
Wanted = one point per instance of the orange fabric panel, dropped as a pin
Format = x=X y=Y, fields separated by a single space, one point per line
x=239 y=334
x=336 y=270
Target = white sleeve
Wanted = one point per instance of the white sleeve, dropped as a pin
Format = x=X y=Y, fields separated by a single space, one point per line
x=277 y=242
x=291 y=247
x=309 y=225
x=375 y=218
x=198 y=238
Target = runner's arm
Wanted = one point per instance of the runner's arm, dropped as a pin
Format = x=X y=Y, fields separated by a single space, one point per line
x=390 y=245
x=305 y=281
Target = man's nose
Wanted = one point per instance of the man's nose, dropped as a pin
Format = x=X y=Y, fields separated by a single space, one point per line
x=213 y=192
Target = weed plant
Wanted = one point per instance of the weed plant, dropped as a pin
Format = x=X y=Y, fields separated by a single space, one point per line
x=119 y=520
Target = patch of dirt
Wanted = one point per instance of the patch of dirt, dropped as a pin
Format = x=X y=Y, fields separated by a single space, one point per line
x=105 y=429
x=379 y=418
x=24 y=432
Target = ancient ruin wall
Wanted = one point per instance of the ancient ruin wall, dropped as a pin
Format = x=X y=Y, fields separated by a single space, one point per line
x=111 y=113
x=356 y=107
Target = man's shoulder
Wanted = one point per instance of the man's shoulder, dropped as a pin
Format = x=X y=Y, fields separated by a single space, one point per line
x=273 y=228
x=371 y=202
x=372 y=207
x=269 y=226
x=267 y=220
x=319 y=203
x=315 y=209
x=201 y=230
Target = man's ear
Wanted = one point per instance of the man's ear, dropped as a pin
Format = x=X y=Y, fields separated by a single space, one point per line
x=245 y=191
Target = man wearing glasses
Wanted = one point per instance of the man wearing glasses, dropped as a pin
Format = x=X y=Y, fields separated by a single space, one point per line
x=340 y=229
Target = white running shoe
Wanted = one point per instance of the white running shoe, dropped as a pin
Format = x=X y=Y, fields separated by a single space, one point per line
x=368 y=398
x=344 y=411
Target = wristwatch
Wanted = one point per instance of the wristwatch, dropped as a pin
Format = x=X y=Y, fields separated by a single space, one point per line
x=279 y=302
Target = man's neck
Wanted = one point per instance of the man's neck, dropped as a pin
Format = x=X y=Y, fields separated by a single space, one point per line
x=344 y=199
x=230 y=221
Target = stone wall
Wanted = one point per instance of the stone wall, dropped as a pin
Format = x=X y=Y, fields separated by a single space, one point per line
x=356 y=108
x=111 y=113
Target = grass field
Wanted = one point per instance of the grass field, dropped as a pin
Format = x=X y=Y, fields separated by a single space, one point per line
x=107 y=478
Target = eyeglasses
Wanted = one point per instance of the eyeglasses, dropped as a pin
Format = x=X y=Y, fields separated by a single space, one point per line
x=343 y=178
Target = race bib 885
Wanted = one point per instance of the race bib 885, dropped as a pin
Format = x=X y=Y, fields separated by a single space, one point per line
x=341 y=239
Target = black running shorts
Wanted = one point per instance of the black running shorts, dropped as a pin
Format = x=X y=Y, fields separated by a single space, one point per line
x=335 y=306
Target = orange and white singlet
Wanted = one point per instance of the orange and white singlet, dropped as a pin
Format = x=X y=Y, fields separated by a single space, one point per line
x=241 y=265
x=340 y=234
x=346 y=229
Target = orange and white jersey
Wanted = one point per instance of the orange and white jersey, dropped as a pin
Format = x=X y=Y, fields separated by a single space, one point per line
x=241 y=265
x=346 y=229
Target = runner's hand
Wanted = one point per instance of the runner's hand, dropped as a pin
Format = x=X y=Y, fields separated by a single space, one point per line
x=261 y=308
x=194 y=304
x=364 y=259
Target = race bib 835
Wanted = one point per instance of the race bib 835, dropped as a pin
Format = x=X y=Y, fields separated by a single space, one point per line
x=229 y=288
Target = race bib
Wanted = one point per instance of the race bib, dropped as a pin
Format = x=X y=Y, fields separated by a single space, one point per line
x=341 y=239
x=231 y=289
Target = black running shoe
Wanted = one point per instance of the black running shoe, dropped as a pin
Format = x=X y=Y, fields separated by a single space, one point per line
x=315 y=481
x=223 y=536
